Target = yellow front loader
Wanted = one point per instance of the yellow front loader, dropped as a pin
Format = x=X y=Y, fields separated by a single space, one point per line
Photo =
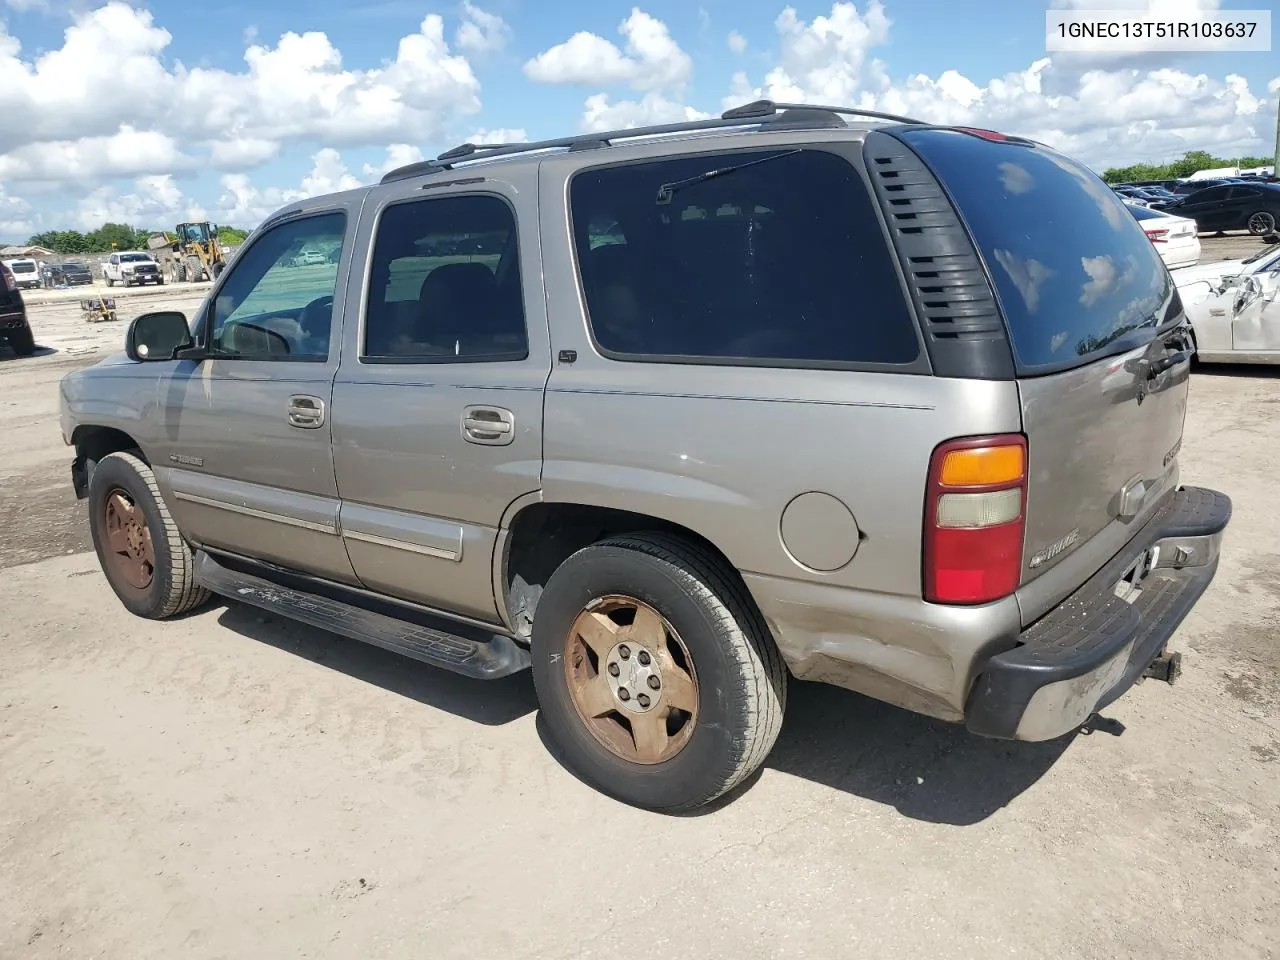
x=191 y=253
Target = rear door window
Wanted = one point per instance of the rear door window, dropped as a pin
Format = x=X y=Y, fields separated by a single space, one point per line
x=766 y=257
x=1075 y=274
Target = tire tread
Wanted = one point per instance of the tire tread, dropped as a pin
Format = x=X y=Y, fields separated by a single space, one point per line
x=760 y=666
x=184 y=594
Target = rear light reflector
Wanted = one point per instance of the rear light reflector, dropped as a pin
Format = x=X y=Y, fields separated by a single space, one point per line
x=975 y=515
x=979 y=509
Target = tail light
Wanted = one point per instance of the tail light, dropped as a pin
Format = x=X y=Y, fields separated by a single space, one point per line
x=975 y=515
x=1157 y=235
x=10 y=283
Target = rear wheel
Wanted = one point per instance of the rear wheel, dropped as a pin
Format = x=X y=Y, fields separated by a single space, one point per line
x=22 y=341
x=1262 y=223
x=143 y=556
x=656 y=676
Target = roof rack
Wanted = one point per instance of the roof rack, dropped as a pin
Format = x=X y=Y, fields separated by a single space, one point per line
x=757 y=113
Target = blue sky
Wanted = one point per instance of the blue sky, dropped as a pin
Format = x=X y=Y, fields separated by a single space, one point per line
x=188 y=130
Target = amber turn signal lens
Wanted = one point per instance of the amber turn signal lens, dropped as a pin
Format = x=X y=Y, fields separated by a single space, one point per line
x=982 y=466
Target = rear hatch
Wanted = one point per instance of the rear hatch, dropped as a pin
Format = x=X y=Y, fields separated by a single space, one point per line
x=1097 y=332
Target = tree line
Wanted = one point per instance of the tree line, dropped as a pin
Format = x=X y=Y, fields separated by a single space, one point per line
x=115 y=236
x=1190 y=162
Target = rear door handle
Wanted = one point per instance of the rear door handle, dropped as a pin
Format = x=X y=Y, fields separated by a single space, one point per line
x=305 y=411
x=491 y=426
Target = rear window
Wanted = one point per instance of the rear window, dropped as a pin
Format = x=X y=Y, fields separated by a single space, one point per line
x=767 y=257
x=23 y=266
x=1075 y=274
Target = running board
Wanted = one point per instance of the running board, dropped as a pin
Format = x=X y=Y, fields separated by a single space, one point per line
x=485 y=659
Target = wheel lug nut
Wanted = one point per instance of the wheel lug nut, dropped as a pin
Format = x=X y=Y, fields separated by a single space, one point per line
x=643 y=700
x=624 y=652
x=624 y=694
x=654 y=682
x=613 y=670
x=643 y=657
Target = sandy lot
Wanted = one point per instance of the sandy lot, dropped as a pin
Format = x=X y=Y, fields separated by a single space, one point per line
x=233 y=786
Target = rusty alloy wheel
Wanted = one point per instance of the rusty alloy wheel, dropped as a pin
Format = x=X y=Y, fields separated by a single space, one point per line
x=631 y=679
x=129 y=551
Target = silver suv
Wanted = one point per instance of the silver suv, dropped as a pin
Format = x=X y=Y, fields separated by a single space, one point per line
x=677 y=416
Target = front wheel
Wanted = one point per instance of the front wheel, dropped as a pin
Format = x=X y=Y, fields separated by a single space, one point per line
x=656 y=676
x=145 y=559
x=1262 y=223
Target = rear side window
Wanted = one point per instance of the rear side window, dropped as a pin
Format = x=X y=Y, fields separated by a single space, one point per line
x=751 y=257
x=444 y=286
x=1075 y=274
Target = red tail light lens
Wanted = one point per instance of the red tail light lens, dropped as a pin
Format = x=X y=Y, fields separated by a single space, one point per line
x=1157 y=236
x=10 y=283
x=975 y=516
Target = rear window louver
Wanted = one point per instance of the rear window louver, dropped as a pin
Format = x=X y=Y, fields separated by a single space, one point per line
x=946 y=280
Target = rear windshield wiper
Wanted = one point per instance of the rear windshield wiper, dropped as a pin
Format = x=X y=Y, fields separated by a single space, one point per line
x=668 y=190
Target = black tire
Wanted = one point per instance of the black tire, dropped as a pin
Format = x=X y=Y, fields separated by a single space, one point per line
x=110 y=282
x=23 y=341
x=173 y=589
x=741 y=679
x=217 y=270
x=1261 y=223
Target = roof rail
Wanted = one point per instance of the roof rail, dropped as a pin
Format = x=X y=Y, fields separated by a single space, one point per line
x=757 y=113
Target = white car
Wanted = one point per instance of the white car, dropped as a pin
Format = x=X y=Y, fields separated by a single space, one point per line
x=1176 y=238
x=26 y=273
x=1234 y=308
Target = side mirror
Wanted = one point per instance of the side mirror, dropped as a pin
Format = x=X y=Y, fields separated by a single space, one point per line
x=157 y=336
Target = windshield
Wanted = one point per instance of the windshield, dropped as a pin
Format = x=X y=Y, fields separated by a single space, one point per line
x=1076 y=277
x=134 y=258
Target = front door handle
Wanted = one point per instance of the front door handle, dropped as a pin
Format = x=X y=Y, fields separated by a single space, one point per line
x=305 y=411
x=491 y=426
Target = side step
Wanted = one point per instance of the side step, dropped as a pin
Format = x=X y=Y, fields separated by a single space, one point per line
x=486 y=657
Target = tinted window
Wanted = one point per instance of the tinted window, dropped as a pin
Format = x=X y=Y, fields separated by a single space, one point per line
x=778 y=258
x=1239 y=193
x=445 y=283
x=269 y=307
x=1211 y=195
x=1073 y=270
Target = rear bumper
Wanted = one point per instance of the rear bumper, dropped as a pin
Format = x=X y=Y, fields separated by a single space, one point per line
x=1085 y=653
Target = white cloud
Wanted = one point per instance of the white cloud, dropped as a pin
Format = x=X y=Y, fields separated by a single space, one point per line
x=127 y=153
x=328 y=174
x=295 y=91
x=500 y=135
x=737 y=42
x=652 y=60
x=398 y=155
x=243 y=153
x=600 y=114
x=481 y=32
x=15 y=218
x=155 y=202
x=1102 y=116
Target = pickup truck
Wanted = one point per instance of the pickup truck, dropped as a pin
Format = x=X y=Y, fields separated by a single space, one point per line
x=131 y=268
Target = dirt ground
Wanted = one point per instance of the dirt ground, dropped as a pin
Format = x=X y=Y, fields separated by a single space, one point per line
x=231 y=785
